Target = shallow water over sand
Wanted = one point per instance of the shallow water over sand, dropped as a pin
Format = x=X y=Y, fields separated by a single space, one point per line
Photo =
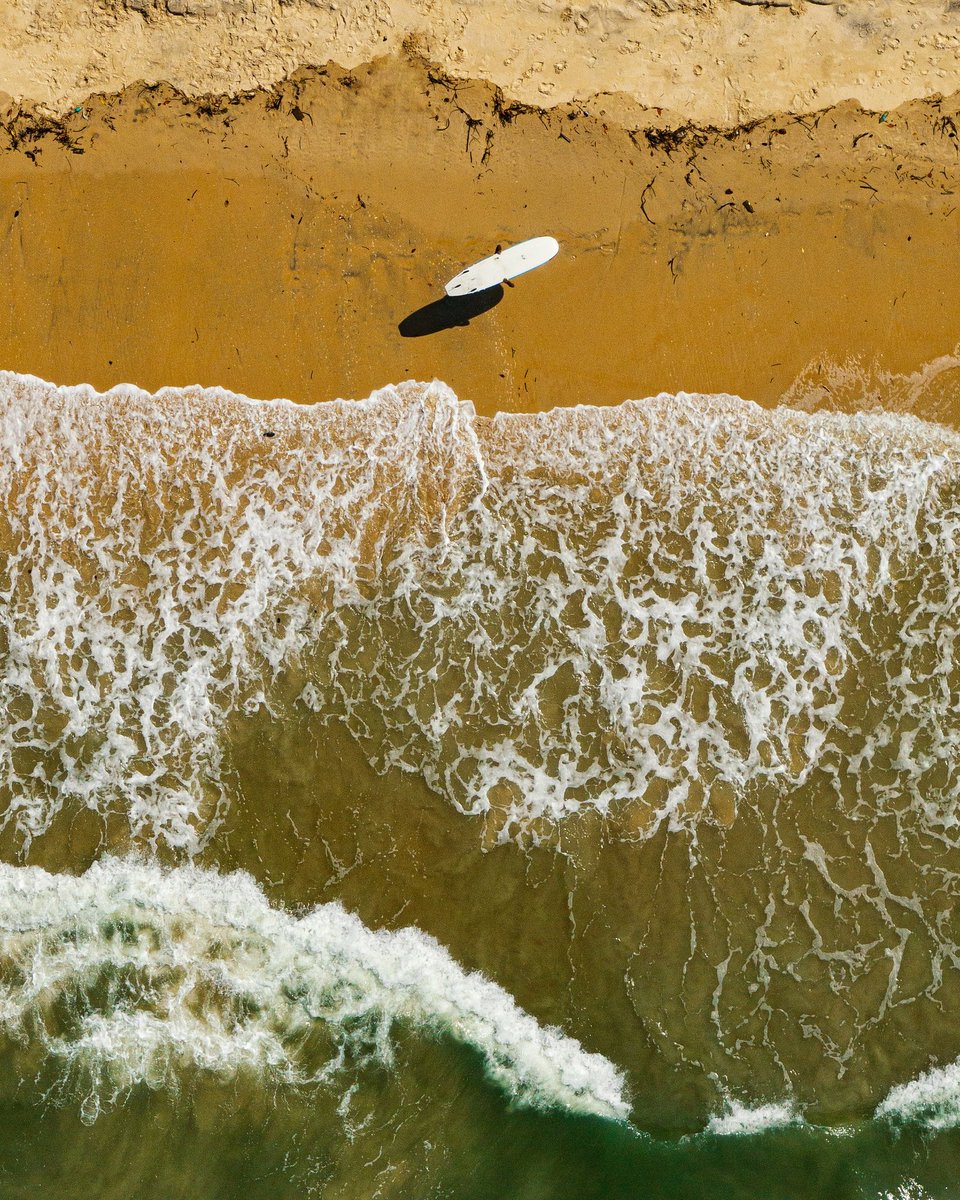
x=671 y=688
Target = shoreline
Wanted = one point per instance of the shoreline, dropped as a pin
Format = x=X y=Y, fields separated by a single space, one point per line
x=240 y=242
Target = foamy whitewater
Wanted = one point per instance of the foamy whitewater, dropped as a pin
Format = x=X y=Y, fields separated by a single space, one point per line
x=664 y=605
x=212 y=977
x=647 y=715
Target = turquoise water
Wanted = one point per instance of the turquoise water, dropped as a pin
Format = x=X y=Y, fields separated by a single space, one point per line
x=288 y=1151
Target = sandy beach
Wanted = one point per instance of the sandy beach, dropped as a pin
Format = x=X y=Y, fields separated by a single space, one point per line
x=242 y=241
x=466 y=793
x=716 y=62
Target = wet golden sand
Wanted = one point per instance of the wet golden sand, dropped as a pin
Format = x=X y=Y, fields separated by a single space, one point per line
x=245 y=243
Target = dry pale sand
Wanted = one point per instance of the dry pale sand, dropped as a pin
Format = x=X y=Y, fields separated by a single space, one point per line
x=714 y=61
x=285 y=241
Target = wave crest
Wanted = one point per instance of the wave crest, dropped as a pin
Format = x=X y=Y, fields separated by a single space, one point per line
x=130 y=974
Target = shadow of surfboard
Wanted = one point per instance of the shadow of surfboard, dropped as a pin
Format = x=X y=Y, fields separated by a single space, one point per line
x=448 y=312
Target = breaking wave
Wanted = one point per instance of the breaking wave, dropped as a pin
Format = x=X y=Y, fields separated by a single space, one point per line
x=741 y=1120
x=707 y=651
x=131 y=975
x=932 y=1100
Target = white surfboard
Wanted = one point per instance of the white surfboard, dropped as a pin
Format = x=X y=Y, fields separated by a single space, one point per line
x=506 y=264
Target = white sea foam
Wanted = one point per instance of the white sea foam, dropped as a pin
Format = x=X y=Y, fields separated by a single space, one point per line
x=741 y=1119
x=160 y=556
x=130 y=973
x=682 y=613
x=662 y=607
x=932 y=1100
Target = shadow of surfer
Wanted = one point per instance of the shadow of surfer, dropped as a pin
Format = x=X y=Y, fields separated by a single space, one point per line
x=449 y=311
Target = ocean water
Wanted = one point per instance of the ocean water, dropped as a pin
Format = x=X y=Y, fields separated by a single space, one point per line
x=396 y=802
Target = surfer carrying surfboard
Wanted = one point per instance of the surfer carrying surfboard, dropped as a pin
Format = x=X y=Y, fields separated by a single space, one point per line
x=502 y=266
